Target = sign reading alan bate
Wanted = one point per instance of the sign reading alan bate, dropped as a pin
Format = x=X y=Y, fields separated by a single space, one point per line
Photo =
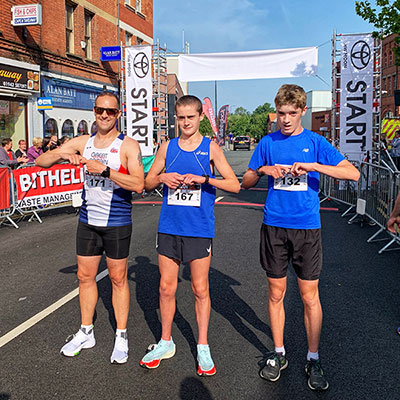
x=139 y=97
x=356 y=91
x=38 y=186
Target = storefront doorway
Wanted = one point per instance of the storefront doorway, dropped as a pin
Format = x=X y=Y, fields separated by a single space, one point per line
x=13 y=119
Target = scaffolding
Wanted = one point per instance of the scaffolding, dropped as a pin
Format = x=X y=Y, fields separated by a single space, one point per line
x=160 y=92
x=377 y=79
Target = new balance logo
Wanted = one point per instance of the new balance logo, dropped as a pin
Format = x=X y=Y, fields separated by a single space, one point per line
x=306 y=150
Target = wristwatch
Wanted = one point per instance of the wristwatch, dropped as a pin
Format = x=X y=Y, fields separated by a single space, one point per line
x=258 y=172
x=207 y=179
x=106 y=173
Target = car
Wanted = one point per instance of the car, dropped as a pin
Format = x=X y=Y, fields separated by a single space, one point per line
x=241 y=142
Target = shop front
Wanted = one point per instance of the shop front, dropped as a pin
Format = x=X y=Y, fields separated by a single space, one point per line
x=73 y=102
x=19 y=87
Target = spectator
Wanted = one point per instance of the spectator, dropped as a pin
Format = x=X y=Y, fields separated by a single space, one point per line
x=395 y=150
x=63 y=140
x=36 y=150
x=50 y=143
x=21 y=149
x=7 y=156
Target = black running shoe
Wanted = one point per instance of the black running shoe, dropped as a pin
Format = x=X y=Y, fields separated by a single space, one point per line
x=271 y=366
x=316 y=376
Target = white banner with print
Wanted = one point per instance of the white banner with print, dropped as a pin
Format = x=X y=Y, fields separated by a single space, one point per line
x=356 y=92
x=139 y=97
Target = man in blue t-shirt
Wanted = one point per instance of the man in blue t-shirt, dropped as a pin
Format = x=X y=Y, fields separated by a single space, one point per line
x=293 y=158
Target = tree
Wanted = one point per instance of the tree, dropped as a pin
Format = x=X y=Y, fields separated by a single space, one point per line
x=205 y=127
x=265 y=108
x=386 y=19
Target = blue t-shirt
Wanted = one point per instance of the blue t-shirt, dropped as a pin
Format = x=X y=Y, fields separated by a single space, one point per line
x=294 y=209
x=189 y=220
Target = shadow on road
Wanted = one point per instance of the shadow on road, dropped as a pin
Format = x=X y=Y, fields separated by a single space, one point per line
x=226 y=302
x=194 y=389
x=7 y=396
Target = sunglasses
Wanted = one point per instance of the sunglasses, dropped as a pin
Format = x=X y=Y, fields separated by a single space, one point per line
x=111 y=112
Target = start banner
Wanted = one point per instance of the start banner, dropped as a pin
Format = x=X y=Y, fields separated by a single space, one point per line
x=356 y=92
x=38 y=186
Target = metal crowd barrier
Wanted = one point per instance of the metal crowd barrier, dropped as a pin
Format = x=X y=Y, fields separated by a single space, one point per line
x=372 y=196
x=7 y=187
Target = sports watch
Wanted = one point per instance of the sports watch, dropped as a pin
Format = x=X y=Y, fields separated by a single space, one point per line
x=106 y=173
x=258 y=172
x=207 y=179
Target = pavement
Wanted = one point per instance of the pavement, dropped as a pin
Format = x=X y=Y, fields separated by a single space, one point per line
x=359 y=291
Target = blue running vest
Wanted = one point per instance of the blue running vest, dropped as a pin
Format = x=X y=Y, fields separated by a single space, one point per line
x=189 y=220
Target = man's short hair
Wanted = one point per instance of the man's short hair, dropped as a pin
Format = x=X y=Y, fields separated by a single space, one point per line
x=6 y=141
x=293 y=95
x=20 y=141
x=190 y=100
x=107 y=93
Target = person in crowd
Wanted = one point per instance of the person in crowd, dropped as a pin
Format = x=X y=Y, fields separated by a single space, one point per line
x=393 y=224
x=21 y=151
x=113 y=170
x=293 y=158
x=63 y=140
x=7 y=156
x=395 y=149
x=35 y=150
x=50 y=143
x=185 y=166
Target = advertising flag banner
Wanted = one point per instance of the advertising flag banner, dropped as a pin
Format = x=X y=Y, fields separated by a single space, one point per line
x=209 y=112
x=356 y=95
x=280 y=63
x=139 y=97
x=42 y=186
x=222 y=123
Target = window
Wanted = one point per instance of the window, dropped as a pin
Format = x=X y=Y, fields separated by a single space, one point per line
x=139 y=41
x=390 y=57
x=384 y=85
x=139 y=6
x=385 y=60
x=389 y=84
x=128 y=39
x=82 y=128
x=69 y=27
x=135 y=4
x=88 y=34
x=68 y=128
x=50 y=128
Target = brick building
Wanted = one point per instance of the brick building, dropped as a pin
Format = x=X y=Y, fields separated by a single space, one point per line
x=60 y=58
x=389 y=79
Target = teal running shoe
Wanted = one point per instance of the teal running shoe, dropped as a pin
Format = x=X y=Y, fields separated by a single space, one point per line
x=157 y=352
x=206 y=365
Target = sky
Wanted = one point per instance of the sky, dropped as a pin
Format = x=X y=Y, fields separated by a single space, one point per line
x=243 y=25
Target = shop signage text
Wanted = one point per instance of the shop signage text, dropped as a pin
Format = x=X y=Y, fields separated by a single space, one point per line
x=19 y=79
x=110 y=53
x=29 y=14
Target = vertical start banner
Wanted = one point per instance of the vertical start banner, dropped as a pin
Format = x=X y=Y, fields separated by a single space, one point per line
x=139 y=97
x=222 y=123
x=356 y=93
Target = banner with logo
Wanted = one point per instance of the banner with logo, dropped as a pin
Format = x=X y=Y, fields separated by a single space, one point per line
x=356 y=95
x=37 y=186
x=19 y=78
x=209 y=112
x=4 y=188
x=139 y=97
x=262 y=64
x=222 y=123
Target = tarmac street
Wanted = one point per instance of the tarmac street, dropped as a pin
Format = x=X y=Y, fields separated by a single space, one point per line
x=360 y=349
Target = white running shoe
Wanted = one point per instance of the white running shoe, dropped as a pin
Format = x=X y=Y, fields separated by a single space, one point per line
x=81 y=340
x=120 y=352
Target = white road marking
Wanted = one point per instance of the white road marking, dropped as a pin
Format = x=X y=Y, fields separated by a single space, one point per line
x=219 y=199
x=43 y=314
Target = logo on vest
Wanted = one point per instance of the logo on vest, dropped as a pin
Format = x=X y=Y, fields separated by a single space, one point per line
x=202 y=153
x=113 y=150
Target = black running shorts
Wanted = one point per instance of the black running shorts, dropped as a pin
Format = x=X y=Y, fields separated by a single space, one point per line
x=183 y=248
x=279 y=246
x=94 y=240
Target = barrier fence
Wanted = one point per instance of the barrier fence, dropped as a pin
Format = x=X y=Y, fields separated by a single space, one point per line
x=373 y=196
